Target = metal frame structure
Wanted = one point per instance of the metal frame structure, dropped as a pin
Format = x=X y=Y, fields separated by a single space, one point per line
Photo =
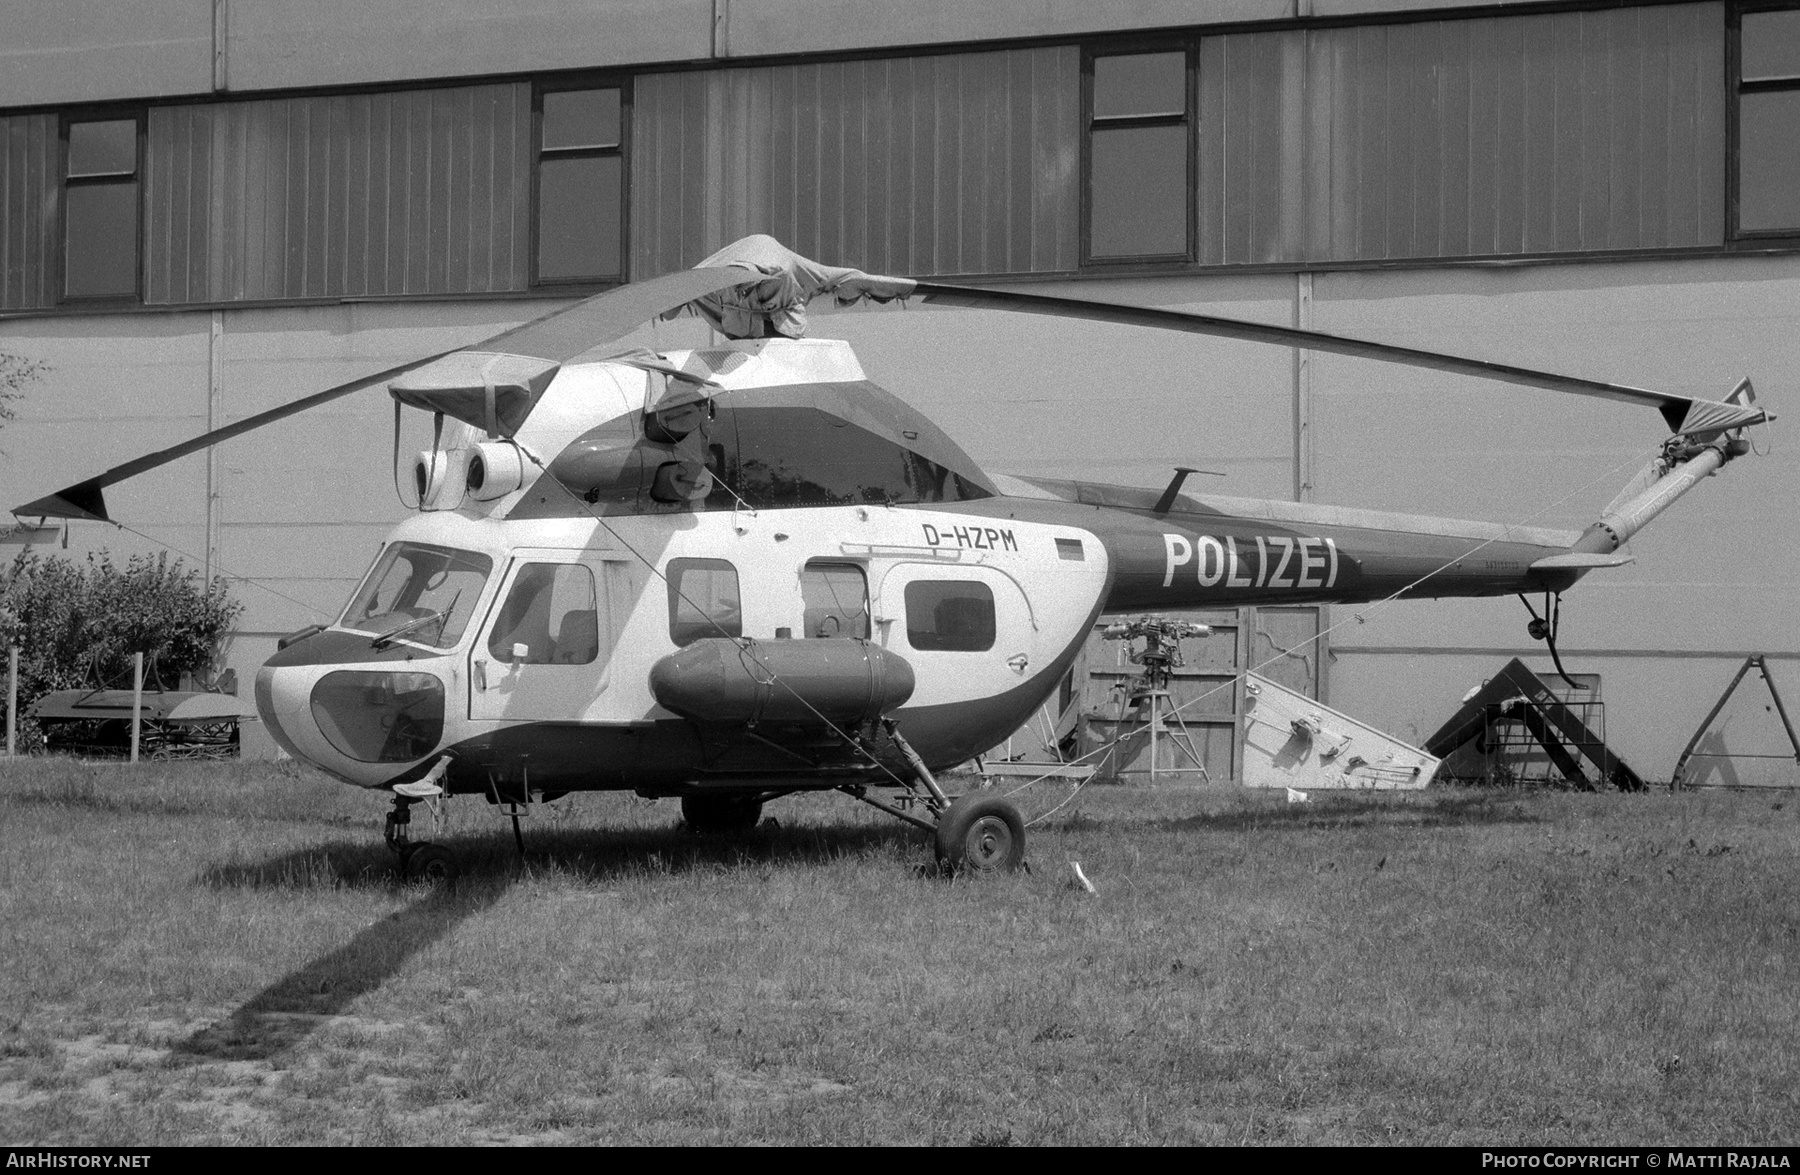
x=1762 y=667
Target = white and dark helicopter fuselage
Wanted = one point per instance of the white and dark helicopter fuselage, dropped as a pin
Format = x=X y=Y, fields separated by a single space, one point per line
x=735 y=572
x=569 y=623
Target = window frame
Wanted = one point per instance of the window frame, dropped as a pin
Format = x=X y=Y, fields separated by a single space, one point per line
x=710 y=625
x=1737 y=87
x=863 y=613
x=622 y=152
x=67 y=119
x=983 y=592
x=554 y=652
x=1190 y=118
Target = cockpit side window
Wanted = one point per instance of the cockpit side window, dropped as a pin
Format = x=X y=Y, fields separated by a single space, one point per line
x=703 y=600
x=552 y=614
x=836 y=599
x=430 y=592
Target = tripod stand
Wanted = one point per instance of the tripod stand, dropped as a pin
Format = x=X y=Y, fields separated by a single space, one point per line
x=1148 y=693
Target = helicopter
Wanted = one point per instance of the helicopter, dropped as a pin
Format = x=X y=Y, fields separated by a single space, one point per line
x=741 y=571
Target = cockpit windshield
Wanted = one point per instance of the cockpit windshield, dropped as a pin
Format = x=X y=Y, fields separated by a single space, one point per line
x=419 y=592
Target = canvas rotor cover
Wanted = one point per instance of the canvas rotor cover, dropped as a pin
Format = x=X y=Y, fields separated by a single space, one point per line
x=494 y=392
x=777 y=305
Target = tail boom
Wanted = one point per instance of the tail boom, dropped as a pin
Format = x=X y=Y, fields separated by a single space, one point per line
x=1685 y=468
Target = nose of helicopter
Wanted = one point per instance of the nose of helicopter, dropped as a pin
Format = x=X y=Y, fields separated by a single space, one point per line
x=362 y=723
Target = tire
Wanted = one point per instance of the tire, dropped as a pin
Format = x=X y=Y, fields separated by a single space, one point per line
x=723 y=813
x=981 y=834
x=433 y=863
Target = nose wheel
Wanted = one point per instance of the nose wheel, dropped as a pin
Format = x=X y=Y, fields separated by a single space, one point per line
x=428 y=862
x=419 y=860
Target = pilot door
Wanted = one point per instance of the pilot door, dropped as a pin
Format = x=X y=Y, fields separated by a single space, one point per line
x=543 y=654
x=969 y=632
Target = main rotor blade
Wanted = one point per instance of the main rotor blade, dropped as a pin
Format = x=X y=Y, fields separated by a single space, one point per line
x=557 y=336
x=1674 y=409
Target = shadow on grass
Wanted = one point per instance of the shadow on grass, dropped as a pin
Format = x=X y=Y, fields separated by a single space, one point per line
x=1344 y=812
x=586 y=855
x=283 y=1014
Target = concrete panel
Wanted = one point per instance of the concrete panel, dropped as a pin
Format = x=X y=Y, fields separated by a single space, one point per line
x=272 y=44
x=115 y=386
x=299 y=507
x=1713 y=572
x=99 y=50
x=756 y=27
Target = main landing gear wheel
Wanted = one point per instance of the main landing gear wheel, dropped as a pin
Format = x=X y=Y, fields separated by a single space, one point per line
x=721 y=813
x=429 y=862
x=981 y=834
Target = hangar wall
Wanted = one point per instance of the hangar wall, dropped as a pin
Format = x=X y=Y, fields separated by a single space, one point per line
x=97 y=51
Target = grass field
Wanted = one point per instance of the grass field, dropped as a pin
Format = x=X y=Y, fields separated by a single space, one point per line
x=201 y=954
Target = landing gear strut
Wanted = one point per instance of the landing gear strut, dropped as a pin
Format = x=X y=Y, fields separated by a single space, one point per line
x=419 y=860
x=1544 y=628
x=973 y=833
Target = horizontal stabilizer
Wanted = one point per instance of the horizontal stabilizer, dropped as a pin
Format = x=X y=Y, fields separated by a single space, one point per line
x=1581 y=561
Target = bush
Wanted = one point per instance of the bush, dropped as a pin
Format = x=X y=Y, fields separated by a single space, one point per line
x=15 y=372
x=77 y=623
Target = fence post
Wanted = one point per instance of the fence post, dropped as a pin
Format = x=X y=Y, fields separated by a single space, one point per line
x=137 y=701
x=12 y=701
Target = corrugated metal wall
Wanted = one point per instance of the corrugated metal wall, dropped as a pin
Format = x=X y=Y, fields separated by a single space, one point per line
x=964 y=163
x=1530 y=134
x=1548 y=133
x=28 y=187
x=420 y=192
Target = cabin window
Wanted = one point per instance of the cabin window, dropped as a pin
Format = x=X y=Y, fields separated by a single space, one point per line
x=703 y=600
x=101 y=204
x=952 y=616
x=1768 y=111
x=550 y=612
x=1140 y=156
x=580 y=195
x=836 y=599
x=423 y=593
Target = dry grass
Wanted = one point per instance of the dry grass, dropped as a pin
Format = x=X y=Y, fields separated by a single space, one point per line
x=220 y=954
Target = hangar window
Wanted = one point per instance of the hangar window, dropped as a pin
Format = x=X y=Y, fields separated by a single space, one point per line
x=1768 y=111
x=954 y=616
x=580 y=185
x=1140 y=155
x=703 y=600
x=100 y=205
